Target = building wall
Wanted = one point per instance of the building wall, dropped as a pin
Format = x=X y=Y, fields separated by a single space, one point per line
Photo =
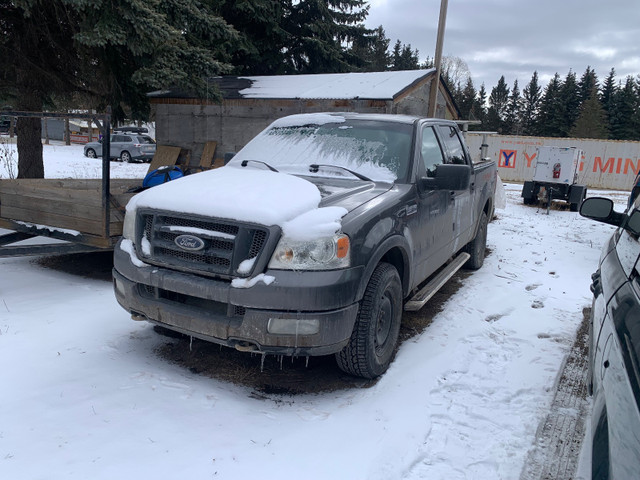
x=606 y=163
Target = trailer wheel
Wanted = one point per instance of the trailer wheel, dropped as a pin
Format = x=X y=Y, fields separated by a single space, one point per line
x=478 y=246
x=375 y=333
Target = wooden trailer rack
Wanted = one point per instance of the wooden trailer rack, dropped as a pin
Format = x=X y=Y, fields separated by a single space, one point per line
x=87 y=215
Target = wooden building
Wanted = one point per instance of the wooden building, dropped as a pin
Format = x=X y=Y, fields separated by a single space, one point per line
x=249 y=104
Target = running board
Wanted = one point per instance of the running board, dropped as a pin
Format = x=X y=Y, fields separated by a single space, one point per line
x=430 y=289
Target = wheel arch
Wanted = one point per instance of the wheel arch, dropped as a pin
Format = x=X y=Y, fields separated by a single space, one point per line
x=393 y=250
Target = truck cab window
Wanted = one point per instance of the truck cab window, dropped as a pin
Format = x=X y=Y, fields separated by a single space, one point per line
x=454 y=146
x=430 y=151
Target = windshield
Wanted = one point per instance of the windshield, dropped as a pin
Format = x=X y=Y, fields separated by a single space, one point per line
x=376 y=149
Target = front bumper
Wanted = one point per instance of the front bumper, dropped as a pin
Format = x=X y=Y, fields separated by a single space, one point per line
x=211 y=309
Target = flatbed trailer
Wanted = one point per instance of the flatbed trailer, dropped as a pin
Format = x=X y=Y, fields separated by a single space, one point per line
x=86 y=214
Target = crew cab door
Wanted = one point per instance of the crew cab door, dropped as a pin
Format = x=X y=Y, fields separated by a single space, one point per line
x=432 y=225
x=463 y=214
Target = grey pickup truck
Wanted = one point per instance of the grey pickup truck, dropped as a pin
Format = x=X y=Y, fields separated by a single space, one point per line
x=312 y=240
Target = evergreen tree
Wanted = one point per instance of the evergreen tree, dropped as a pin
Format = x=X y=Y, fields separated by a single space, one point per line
x=468 y=103
x=112 y=50
x=498 y=101
x=607 y=95
x=569 y=93
x=261 y=36
x=513 y=116
x=318 y=31
x=482 y=107
x=623 y=116
x=377 y=54
x=531 y=96
x=551 y=120
x=587 y=83
x=592 y=121
x=404 y=58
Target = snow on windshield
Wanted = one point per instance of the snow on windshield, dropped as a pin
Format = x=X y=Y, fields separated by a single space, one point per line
x=377 y=150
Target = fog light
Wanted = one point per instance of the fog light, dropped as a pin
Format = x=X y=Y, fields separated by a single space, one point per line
x=119 y=286
x=293 y=326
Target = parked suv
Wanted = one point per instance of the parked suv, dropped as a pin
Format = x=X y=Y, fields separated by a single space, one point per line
x=126 y=148
x=615 y=344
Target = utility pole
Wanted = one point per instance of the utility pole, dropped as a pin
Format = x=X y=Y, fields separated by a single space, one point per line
x=435 y=84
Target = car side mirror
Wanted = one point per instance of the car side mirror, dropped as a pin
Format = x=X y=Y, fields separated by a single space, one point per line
x=448 y=177
x=601 y=209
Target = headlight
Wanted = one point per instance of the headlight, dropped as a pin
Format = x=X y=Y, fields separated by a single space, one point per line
x=328 y=253
x=129 y=227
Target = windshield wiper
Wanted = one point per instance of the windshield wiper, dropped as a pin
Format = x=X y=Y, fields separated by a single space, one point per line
x=314 y=167
x=245 y=162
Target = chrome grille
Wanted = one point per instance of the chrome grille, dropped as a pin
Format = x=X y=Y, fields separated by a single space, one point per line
x=226 y=244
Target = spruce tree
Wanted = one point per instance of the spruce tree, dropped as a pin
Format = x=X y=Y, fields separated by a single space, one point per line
x=482 y=107
x=531 y=96
x=607 y=95
x=587 y=83
x=623 y=116
x=592 y=121
x=570 y=103
x=317 y=32
x=468 y=103
x=114 y=51
x=513 y=115
x=498 y=101
x=551 y=121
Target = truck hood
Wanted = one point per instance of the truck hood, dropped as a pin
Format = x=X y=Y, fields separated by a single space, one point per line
x=348 y=194
x=263 y=197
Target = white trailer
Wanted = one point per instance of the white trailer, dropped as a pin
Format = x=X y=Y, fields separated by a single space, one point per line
x=555 y=177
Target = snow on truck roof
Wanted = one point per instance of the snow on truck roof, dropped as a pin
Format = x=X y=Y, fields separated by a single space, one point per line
x=338 y=86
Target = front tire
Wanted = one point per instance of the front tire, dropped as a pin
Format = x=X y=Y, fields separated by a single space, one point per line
x=375 y=333
x=91 y=153
x=478 y=246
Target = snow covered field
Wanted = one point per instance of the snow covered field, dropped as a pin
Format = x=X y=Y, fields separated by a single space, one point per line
x=86 y=395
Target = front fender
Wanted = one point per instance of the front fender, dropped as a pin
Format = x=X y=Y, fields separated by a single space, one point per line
x=397 y=249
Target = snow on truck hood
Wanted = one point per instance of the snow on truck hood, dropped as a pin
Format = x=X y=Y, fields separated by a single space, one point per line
x=247 y=195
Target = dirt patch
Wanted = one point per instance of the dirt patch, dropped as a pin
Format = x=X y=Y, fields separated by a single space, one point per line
x=274 y=377
x=96 y=265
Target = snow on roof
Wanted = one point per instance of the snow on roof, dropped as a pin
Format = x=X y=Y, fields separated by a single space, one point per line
x=369 y=85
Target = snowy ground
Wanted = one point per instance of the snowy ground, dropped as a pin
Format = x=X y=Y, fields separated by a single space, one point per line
x=86 y=395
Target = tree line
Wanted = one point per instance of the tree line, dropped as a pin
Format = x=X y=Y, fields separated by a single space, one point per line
x=565 y=107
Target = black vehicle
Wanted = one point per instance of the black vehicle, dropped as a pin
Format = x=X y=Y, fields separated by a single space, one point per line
x=615 y=345
x=413 y=209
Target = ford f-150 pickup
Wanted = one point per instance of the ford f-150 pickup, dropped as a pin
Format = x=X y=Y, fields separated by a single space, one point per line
x=312 y=240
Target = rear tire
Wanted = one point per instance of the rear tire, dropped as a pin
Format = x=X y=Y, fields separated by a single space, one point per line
x=375 y=333
x=126 y=157
x=478 y=246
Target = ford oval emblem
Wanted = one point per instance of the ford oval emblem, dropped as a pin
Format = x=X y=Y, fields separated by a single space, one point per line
x=189 y=242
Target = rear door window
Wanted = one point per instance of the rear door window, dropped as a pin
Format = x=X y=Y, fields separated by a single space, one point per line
x=453 y=145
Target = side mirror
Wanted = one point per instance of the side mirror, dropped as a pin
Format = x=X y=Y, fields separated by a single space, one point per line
x=448 y=177
x=601 y=209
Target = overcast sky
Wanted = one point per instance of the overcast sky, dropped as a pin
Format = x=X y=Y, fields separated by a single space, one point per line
x=516 y=37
